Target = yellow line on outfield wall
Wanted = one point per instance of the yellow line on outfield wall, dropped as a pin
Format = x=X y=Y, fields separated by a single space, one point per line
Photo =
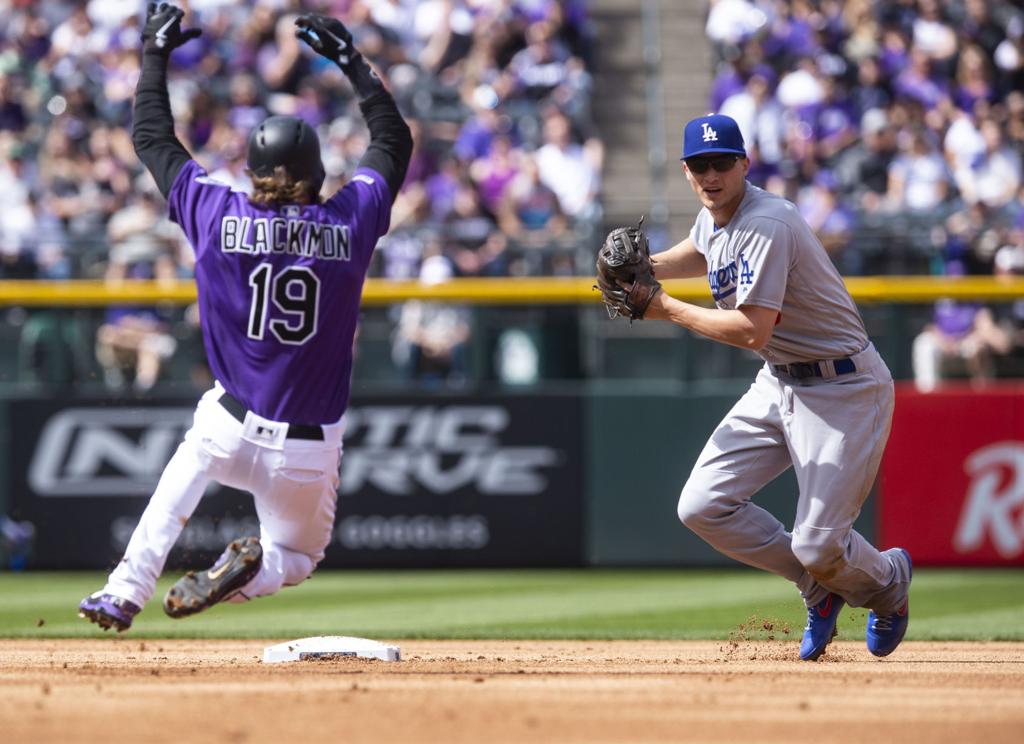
x=502 y=291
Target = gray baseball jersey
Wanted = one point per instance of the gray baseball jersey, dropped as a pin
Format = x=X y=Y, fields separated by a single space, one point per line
x=768 y=256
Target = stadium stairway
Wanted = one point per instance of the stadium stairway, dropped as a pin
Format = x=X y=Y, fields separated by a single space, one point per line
x=652 y=66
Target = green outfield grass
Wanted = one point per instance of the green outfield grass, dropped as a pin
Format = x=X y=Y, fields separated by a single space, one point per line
x=600 y=604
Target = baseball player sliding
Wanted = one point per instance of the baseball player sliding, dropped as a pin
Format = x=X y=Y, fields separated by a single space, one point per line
x=822 y=403
x=279 y=277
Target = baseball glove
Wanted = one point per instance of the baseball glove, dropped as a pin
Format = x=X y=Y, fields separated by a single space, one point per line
x=625 y=259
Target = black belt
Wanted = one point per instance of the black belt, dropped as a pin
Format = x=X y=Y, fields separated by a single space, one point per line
x=803 y=370
x=234 y=406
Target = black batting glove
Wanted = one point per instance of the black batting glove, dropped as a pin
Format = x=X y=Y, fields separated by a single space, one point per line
x=328 y=37
x=163 y=33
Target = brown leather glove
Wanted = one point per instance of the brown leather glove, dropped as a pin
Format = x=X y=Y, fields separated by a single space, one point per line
x=625 y=259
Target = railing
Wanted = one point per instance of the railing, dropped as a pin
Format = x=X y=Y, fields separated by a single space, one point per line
x=48 y=332
x=502 y=291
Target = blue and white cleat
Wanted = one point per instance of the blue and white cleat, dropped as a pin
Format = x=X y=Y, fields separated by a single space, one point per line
x=884 y=632
x=108 y=611
x=821 y=627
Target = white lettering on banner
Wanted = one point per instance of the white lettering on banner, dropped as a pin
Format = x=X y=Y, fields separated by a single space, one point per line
x=506 y=470
x=396 y=449
x=201 y=533
x=371 y=532
x=989 y=509
x=106 y=451
x=402 y=449
x=415 y=532
x=446 y=429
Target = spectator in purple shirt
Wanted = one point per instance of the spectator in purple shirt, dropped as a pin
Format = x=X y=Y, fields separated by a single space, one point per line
x=918 y=83
x=973 y=79
x=12 y=112
x=479 y=130
x=493 y=172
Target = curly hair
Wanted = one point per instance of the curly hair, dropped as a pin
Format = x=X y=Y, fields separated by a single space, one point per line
x=280 y=188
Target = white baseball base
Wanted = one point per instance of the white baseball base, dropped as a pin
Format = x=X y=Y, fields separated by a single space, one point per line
x=325 y=648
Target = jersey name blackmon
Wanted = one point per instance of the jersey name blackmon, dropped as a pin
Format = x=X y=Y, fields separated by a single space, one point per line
x=264 y=236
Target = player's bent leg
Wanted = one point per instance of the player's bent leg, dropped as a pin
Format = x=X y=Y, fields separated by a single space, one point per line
x=177 y=494
x=296 y=510
x=176 y=497
x=714 y=506
x=841 y=422
x=842 y=559
x=746 y=451
x=822 y=552
x=133 y=581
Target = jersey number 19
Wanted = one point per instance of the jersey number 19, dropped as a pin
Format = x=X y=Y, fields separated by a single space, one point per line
x=294 y=291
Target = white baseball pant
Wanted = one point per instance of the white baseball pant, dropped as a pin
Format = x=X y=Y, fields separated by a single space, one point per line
x=294 y=483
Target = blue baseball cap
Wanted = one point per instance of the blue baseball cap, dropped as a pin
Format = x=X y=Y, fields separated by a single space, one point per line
x=712 y=135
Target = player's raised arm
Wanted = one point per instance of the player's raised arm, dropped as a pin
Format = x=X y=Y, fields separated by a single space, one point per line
x=390 y=140
x=153 y=124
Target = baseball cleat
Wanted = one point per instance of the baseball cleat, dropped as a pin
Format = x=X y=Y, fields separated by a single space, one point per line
x=821 y=627
x=884 y=632
x=200 y=590
x=108 y=611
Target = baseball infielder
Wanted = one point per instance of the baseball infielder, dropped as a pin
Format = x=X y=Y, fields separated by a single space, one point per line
x=822 y=403
x=279 y=278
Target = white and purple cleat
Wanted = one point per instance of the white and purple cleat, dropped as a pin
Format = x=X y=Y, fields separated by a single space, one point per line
x=108 y=611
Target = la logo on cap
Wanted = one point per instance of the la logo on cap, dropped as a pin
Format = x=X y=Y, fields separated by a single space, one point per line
x=712 y=135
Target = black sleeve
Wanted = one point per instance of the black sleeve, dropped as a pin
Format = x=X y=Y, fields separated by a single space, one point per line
x=153 y=125
x=390 y=139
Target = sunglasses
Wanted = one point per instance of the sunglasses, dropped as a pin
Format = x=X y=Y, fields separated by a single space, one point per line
x=721 y=164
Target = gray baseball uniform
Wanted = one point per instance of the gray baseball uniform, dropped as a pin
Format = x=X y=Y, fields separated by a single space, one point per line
x=822 y=403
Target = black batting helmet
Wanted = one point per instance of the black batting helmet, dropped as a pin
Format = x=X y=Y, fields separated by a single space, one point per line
x=286 y=141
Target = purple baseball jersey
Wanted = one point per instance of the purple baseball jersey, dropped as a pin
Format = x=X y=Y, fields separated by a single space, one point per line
x=279 y=289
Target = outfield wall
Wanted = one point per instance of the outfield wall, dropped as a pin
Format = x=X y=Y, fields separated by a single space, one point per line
x=516 y=480
x=527 y=479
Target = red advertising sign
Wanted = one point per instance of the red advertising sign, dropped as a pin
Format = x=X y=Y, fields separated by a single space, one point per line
x=952 y=481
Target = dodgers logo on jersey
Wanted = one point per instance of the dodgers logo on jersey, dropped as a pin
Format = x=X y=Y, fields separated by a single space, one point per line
x=710 y=135
x=723 y=280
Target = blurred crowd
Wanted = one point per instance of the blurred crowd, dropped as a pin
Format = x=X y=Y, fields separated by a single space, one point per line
x=897 y=127
x=867 y=113
x=504 y=179
x=506 y=168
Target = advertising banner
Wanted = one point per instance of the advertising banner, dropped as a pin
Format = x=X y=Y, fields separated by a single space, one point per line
x=425 y=482
x=953 y=477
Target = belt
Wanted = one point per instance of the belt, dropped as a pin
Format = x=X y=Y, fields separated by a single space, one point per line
x=826 y=368
x=234 y=406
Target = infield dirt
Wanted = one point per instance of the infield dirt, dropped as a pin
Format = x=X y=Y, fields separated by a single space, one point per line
x=120 y=689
